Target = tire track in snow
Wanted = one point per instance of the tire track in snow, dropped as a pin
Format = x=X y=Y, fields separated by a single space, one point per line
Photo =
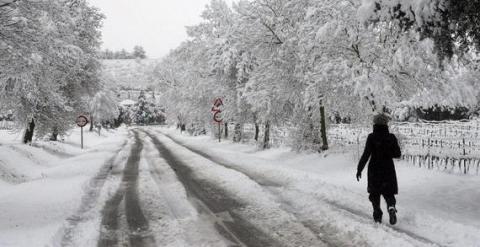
x=178 y=219
x=212 y=198
x=270 y=185
x=139 y=233
x=110 y=217
x=89 y=199
x=52 y=151
x=212 y=201
x=265 y=183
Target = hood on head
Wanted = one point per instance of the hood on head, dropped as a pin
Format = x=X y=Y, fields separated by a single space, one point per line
x=381 y=119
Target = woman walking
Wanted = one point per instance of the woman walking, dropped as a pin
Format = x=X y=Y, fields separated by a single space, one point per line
x=381 y=148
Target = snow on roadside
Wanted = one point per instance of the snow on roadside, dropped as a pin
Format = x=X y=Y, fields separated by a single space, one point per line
x=434 y=205
x=82 y=228
x=47 y=187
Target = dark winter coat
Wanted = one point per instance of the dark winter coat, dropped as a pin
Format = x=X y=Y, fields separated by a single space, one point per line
x=381 y=148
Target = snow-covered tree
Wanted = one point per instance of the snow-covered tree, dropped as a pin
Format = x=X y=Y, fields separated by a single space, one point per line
x=48 y=61
x=139 y=52
x=282 y=63
x=412 y=63
x=453 y=25
x=103 y=108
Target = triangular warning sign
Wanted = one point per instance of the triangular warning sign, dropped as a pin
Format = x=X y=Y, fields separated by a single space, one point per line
x=218 y=102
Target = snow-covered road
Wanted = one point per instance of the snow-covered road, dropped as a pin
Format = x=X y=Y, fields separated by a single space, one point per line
x=158 y=188
x=168 y=194
x=241 y=210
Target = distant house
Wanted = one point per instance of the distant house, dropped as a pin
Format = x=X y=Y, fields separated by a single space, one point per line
x=127 y=103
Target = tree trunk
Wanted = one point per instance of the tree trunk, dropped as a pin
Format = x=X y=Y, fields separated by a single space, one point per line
x=29 y=132
x=237 y=135
x=257 y=127
x=266 y=137
x=316 y=134
x=54 y=136
x=226 y=130
x=91 y=123
x=312 y=133
x=323 y=127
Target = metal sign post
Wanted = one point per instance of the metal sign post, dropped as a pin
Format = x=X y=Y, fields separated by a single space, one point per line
x=81 y=134
x=81 y=122
x=217 y=117
x=219 y=133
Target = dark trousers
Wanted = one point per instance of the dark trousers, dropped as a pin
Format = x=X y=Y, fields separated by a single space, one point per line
x=375 y=199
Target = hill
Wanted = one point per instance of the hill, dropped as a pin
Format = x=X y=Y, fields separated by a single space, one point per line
x=130 y=73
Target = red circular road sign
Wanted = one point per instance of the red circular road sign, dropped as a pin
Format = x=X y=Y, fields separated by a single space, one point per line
x=82 y=121
x=216 y=116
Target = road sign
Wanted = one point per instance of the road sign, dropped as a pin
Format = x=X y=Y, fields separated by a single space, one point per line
x=218 y=103
x=216 y=110
x=216 y=115
x=82 y=121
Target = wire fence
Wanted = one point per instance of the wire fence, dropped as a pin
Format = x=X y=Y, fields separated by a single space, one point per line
x=450 y=146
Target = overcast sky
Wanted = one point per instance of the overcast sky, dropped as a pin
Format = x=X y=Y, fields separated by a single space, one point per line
x=157 y=25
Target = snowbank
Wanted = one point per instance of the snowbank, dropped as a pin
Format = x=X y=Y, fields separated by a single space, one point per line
x=42 y=185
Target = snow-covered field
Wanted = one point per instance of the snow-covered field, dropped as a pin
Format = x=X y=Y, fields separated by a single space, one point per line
x=43 y=184
x=434 y=207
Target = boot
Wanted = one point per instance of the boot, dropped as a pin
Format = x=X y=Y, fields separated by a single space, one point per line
x=377 y=216
x=392 y=213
